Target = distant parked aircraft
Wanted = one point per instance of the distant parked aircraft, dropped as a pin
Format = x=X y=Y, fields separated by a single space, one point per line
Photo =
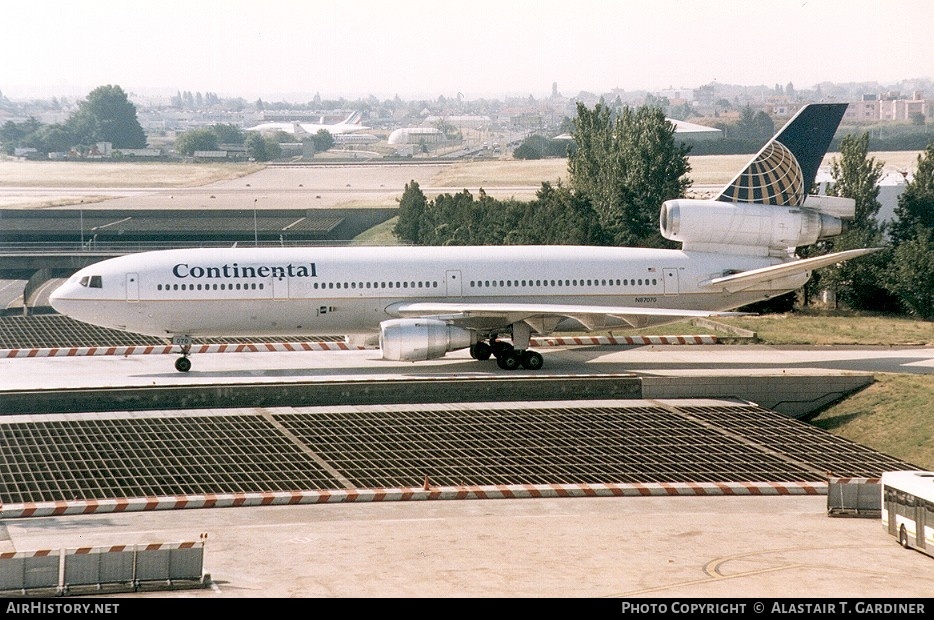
x=351 y=124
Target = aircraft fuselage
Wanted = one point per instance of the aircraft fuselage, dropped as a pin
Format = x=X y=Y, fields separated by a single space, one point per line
x=350 y=290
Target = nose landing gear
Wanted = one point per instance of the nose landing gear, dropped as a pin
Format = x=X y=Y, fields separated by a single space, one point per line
x=183 y=364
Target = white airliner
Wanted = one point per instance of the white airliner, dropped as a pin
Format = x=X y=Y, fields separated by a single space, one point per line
x=351 y=124
x=423 y=302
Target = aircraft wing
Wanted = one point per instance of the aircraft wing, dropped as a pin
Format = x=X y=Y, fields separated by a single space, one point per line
x=542 y=317
x=745 y=279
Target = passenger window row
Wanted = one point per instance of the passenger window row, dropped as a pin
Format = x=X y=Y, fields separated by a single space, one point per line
x=222 y=286
x=562 y=283
x=372 y=285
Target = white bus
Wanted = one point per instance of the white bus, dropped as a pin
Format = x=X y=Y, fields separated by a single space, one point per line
x=908 y=508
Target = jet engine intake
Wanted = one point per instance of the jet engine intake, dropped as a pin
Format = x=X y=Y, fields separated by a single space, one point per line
x=712 y=225
x=420 y=339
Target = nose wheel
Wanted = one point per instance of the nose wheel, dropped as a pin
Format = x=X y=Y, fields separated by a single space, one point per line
x=183 y=364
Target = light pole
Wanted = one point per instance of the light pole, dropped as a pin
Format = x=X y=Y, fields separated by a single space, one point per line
x=255 y=231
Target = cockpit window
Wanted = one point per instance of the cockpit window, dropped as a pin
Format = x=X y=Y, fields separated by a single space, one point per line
x=91 y=282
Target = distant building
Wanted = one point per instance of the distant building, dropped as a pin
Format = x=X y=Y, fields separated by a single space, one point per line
x=138 y=152
x=416 y=135
x=888 y=107
x=470 y=121
x=210 y=155
x=355 y=138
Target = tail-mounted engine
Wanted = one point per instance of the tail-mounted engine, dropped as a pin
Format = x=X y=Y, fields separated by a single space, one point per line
x=747 y=228
x=420 y=339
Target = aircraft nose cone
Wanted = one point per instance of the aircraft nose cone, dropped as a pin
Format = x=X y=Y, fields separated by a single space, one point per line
x=57 y=300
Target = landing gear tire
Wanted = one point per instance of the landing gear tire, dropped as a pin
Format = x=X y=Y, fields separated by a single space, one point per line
x=531 y=360
x=500 y=349
x=508 y=361
x=183 y=364
x=480 y=351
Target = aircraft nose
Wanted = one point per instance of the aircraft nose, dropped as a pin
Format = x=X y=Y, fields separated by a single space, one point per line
x=58 y=299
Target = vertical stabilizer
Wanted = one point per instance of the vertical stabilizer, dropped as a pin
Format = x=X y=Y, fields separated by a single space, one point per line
x=784 y=170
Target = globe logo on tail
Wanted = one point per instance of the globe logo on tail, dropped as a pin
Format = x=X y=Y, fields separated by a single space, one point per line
x=774 y=177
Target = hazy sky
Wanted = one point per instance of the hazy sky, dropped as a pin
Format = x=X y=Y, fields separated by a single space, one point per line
x=292 y=49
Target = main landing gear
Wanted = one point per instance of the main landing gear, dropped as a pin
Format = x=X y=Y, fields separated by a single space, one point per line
x=507 y=356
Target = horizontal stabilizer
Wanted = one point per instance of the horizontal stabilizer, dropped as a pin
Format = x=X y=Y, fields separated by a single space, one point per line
x=745 y=279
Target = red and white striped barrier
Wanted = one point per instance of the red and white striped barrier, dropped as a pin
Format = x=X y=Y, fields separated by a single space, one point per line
x=20 y=555
x=167 y=349
x=284 y=347
x=139 y=547
x=621 y=340
x=426 y=492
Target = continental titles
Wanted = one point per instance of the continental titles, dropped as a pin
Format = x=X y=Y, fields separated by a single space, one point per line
x=233 y=270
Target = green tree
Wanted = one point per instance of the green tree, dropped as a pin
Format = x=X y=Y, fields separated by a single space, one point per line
x=916 y=203
x=13 y=135
x=256 y=147
x=53 y=138
x=273 y=149
x=203 y=139
x=323 y=140
x=412 y=207
x=856 y=175
x=753 y=127
x=107 y=116
x=626 y=167
x=228 y=134
x=860 y=283
x=559 y=216
x=911 y=273
x=261 y=148
x=539 y=147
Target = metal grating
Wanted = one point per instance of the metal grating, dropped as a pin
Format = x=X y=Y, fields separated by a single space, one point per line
x=107 y=456
x=51 y=331
x=797 y=440
x=540 y=446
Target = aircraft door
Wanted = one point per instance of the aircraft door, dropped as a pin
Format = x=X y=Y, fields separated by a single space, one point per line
x=132 y=287
x=672 y=287
x=453 y=283
x=280 y=287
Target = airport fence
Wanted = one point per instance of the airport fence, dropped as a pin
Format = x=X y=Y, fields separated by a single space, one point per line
x=854 y=497
x=112 y=568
